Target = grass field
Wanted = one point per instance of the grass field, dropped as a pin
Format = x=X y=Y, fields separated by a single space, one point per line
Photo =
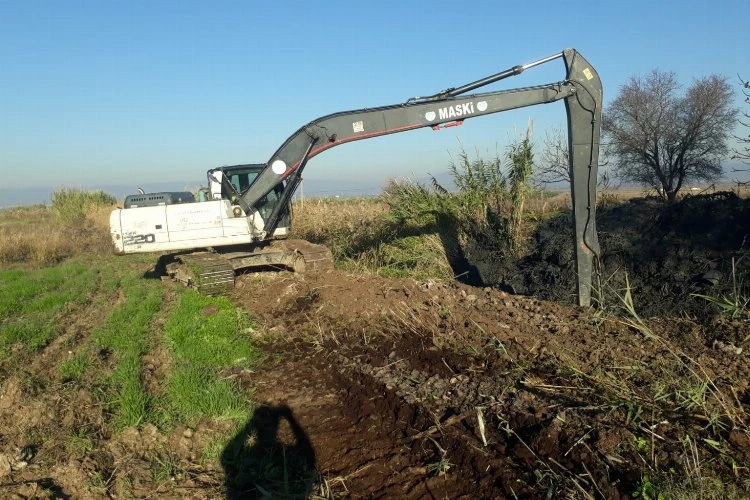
x=86 y=325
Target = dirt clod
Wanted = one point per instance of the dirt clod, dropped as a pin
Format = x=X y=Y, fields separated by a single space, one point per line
x=5 y=466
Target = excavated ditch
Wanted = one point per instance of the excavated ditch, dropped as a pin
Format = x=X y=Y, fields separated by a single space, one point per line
x=698 y=245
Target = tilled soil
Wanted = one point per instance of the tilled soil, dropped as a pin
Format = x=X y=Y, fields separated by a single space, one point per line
x=431 y=390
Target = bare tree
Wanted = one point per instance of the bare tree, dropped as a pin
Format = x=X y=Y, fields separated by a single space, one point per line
x=660 y=139
x=554 y=165
x=743 y=153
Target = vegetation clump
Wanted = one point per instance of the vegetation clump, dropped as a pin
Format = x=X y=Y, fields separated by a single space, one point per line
x=421 y=231
x=73 y=205
x=363 y=238
x=489 y=205
x=77 y=222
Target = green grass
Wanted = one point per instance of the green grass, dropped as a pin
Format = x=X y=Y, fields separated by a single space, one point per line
x=126 y=335
x=33 y=301
x=74 y=204
x=33 y=304
x=101 y=327
x=24 y=291
x=417 y=257
x=75 y=367
x=205 y=335
x=199 y=336
x=197 y=393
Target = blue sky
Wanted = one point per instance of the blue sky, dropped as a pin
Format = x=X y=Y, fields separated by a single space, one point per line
x=96 y=93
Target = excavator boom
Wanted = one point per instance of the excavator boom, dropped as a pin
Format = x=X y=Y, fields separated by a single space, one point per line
x=581 y=91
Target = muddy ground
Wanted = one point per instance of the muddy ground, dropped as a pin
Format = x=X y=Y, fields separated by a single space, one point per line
x=390 y=379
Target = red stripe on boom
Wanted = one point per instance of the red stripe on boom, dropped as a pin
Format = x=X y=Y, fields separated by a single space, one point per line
x=328 y=145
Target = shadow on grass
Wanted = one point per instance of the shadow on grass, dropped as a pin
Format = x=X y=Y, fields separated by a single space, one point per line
x=260 y=462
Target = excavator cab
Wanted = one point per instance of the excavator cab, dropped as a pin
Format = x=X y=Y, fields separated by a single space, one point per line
x=236 y=179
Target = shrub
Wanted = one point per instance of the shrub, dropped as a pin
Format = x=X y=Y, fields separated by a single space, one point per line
x=420 y=230
x=35 y=234
x=73 y=205
x=46 y=245
x=474 y=212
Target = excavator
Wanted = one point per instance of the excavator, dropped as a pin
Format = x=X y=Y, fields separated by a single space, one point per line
x=242 y=218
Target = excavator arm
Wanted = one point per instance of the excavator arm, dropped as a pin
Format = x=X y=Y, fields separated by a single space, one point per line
x=581 y=90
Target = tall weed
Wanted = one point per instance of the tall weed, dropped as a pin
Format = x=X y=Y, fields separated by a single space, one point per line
x=73 y=205
x=476 y=179
x=420 y=230
x=487 y=207
x=35 y=235
x=521 y=156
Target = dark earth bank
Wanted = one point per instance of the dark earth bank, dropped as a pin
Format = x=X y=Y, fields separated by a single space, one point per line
x=698 y=245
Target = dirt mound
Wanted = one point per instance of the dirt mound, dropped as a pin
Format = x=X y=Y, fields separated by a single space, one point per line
x=669 y=253
x=413 y=390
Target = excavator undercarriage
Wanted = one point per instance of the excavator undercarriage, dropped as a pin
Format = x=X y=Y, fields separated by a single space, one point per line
x=213 y=272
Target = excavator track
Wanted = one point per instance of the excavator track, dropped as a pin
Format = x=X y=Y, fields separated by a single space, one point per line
x=315 y=258
x=208 y=272
x=214 y=272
